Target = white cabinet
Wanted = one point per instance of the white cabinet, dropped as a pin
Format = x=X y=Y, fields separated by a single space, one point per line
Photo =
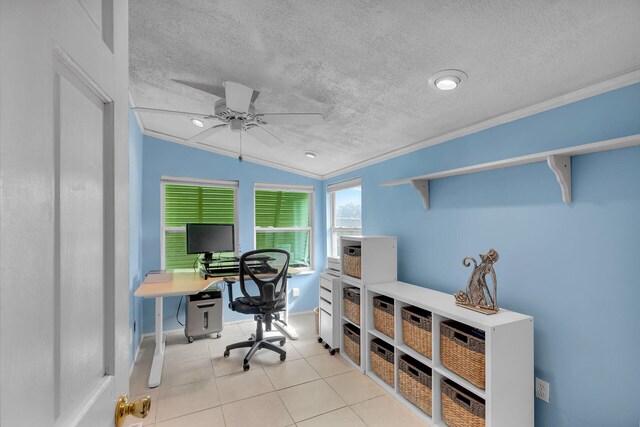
x=509 y=378
x=378 y=264
x=329 y=304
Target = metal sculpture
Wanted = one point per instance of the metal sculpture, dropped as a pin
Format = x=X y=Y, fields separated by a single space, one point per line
x=478 y=296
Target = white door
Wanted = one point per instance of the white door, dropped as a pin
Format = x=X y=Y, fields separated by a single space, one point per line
x=64 y=341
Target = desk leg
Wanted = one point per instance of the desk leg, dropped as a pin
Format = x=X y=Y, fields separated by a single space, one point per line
x=284 y=327
x=158 y=354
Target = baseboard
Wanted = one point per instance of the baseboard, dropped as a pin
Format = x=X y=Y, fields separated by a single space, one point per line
x=135 y=357
x=300 y=313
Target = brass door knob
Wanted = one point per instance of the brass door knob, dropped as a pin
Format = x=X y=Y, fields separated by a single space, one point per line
x=139 y=409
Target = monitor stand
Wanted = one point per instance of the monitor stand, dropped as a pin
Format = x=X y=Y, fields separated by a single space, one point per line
x=208 y=258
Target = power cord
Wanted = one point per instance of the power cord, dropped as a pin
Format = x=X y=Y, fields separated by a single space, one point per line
x=178 y=311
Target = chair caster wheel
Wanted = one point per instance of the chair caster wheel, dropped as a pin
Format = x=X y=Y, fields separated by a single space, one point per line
x=332 y=352
x=190 y=339
x=319 y=339
x=282 y=342
x=246 y=367
x=226 y=354
x=218 y=335
x=326 y=345
x=283 y=357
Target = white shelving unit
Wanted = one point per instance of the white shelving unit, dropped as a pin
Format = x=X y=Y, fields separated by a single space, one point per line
x=379 y=265
x=509 y=385
x=559 y=161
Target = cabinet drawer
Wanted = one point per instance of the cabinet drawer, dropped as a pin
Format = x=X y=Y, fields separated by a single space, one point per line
x=325 y=294
x=326 y=283
x=326 y=328
x=326 y=306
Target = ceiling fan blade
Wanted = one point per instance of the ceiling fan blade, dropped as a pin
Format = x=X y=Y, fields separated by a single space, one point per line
x=161 y=111
x=264 y=136
x=292 y=118
x=211 y=89
x=206 y=133
x=238 y=97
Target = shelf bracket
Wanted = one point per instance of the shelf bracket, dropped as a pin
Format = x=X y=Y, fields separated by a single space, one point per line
x=561 y=167
x=422 y=187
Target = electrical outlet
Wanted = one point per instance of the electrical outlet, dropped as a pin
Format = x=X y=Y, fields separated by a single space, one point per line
x=542 y=390
x=296 y=292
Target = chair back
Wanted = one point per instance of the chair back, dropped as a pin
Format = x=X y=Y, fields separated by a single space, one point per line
x=267 y=268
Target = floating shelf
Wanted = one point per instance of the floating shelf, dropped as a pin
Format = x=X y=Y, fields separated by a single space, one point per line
x=559 y=162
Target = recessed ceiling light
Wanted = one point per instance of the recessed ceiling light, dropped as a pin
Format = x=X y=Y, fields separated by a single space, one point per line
x=311 y=154
x=447 y=79
x=447 y=83
x=198 y=122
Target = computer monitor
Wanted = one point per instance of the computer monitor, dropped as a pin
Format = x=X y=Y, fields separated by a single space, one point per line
x=209 y=238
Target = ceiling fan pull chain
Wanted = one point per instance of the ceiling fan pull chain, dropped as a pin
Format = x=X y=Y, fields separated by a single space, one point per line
x=240 y=156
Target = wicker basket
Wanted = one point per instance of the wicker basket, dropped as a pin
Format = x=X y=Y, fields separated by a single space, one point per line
x=352 y=342
x=382 y=361
x=415 y=382
x=416 y=329
x=383 y=315
x=351 y=297
x=352 y=261
x=462 y=351
x=461 y=408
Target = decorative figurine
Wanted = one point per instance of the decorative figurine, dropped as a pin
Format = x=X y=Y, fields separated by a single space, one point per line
x=478 y=293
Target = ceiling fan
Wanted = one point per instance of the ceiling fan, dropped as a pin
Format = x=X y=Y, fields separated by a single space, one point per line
x=236 y=112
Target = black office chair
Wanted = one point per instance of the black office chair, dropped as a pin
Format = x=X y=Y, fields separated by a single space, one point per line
x=267 y=268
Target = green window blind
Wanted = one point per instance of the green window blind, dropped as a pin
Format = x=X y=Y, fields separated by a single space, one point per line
x=281 y=209
x=284 y=210
x=185 y=204
x=192 y=204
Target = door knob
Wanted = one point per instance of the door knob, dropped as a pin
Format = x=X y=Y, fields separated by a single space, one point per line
x=139 y=409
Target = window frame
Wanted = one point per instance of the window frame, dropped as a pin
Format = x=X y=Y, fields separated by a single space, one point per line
x=194 y=182
x=333 y=230
x=309 y=189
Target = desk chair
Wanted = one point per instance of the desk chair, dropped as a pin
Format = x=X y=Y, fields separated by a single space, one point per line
x=267 y=268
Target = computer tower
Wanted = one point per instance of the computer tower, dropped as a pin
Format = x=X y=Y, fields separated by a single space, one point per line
x=203 y=314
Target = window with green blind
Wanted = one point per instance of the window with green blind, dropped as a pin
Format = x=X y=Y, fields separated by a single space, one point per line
x=193 y=203
x=284 y=221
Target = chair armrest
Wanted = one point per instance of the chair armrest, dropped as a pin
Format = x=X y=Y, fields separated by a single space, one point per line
x=230 y=281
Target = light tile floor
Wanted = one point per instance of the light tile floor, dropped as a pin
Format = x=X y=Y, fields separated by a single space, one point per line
x=312 y=388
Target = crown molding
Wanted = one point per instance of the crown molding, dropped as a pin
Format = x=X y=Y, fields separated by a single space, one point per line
x=227 y=153
x=135 y=113
x=603 y=86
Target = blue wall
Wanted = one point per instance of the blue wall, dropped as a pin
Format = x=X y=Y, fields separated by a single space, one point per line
x=162 y=158
x=575 y=267
x=135 y=230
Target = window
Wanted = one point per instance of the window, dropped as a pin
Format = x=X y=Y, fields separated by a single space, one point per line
x=284 y=220
x=345 y=204
x=192 y=201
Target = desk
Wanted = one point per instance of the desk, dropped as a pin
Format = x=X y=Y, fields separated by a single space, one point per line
x=183 y=284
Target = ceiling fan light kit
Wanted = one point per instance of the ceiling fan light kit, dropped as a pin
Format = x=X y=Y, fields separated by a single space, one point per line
x=198 y=122
x=447 y=80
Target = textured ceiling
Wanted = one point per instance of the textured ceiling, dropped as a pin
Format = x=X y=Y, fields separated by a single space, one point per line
x=365 y=66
